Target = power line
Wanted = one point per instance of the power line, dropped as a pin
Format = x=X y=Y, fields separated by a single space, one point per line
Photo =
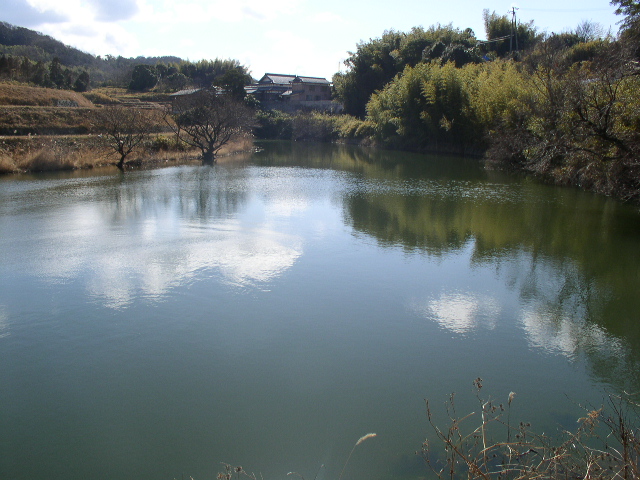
x=566 y=10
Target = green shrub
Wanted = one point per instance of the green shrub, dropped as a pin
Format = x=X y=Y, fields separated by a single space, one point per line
x=274 y=125
x=314 y=126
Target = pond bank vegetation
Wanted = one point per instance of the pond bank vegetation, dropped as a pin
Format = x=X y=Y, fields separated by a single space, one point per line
x=59 y=153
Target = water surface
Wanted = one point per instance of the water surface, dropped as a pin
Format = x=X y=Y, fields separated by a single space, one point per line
x=267 y=312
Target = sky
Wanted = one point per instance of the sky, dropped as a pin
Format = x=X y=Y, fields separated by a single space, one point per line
x=299 y=37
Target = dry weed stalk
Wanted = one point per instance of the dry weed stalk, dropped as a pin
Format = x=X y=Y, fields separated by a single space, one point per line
x=230 y=470
x=605 y=446
x=360 y=440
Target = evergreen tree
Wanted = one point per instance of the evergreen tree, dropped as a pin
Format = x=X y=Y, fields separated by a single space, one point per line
x=144 y=77
x=56 y=73
x=82 y=82
x=4 y=66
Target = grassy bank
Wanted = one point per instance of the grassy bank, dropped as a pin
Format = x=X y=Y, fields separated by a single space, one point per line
x=58 y=153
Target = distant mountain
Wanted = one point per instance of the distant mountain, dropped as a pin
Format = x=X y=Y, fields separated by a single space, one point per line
x=39 y=44
x=30 y=57
x=20 y=41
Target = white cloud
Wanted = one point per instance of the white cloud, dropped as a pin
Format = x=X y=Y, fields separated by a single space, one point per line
x=100 y=10
x=200 y=11
x=70 y=11
x=328 y=17
x=96 y=38
x=113 y=10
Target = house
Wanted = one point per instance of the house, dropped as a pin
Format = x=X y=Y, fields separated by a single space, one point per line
x=184 y=98
x=271 y=87
x=293 y=92
x=192 y=97
x=310 y=89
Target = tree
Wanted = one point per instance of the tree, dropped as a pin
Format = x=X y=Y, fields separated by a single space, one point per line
x=123 y=129
x=370 y=68
x=56 y=73
x=588 y=31
x=630 y=31
x=144 y=77
x=233 y=82
x=503 y=38
x=82 y=82
x=631 y=10
x=209 y=120
x=5 y=70
x=176 y=81
x=378 y=61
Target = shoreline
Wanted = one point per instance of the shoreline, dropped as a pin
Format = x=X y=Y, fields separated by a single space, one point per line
x=54 y=153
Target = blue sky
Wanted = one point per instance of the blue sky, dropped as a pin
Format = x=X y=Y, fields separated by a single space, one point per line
x=300 y=37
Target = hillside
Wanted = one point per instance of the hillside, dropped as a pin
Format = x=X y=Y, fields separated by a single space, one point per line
x=27 y=55
x=24 y=95
x=20 y=41
x=32 y=58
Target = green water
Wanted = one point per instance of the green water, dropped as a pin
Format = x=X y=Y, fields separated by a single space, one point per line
x=268 y=312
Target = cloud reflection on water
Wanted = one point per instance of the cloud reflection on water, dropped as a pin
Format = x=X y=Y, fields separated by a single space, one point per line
x=560 y=334
x=119 y=261
x=463 y=312
x=4 y=322
x=242 y=258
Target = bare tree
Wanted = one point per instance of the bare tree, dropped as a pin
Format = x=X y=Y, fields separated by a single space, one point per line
x=123 y=129
x=209 y=120
x=589 y=31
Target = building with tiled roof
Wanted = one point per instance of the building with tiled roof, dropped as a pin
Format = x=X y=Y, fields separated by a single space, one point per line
x=291 y=92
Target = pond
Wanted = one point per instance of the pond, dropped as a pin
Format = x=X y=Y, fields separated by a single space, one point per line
x=270 y=310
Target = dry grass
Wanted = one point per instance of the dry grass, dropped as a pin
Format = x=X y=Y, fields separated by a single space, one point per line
x=236 y=145
x=43 y=132
x=23 y=95
x=7 y=165
x=99 y=98
x=34 y=110
x=45 y=120
x=47 y=160
x=47 y=155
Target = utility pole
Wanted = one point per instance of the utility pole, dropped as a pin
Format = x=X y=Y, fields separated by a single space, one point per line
x=514 y=28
